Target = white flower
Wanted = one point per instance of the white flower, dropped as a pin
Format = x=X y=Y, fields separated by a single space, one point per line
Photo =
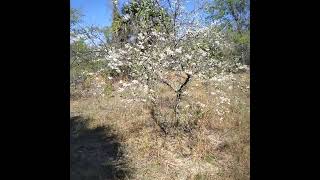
x=188 y=56
x=126 y=17
x=126 y=84
x=140 y=36
x=188 y=72
x=140 y=46
x=121 y=89
x=162 y=55
x=146 y=88
x=127 y=46
x=110 y=77
x=179 y=50
x=202 y=52
x=169 y=51
x=202 y=105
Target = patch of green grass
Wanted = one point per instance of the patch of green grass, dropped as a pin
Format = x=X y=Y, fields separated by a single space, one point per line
x=201 y=177
x=108 y=89
x=210 y=159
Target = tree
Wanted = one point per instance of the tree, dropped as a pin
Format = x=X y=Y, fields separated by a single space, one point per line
x=136 y=17
x=75 y=17
x=164 y=43
x=232 y=14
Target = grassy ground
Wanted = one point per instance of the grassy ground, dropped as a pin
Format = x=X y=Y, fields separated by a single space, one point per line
x=211 y=140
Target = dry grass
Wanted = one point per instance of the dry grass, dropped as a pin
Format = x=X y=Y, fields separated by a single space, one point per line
x=216 y=145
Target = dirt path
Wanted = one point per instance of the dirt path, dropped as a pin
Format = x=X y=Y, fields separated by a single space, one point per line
x=94 y=153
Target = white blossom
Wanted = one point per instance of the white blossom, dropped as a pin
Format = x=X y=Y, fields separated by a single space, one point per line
x=121 y=89
x=188 y=56
x=179 y=50
x=126 y=17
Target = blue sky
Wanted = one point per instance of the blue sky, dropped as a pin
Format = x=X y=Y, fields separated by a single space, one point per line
x=99 y=12
x=96 y=12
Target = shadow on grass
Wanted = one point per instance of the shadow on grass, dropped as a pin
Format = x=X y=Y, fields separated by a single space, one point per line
x=94 y=153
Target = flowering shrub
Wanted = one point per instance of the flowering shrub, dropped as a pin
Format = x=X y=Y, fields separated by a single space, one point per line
x=193 y=55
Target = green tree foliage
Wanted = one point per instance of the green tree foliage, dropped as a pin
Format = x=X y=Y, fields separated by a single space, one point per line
x=139 y=16
x=233 y=16
x=116 y=26
x=79 y=50
x=147 y=14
